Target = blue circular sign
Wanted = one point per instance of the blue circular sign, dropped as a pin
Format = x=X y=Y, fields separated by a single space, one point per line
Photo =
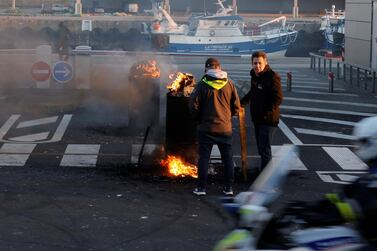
x=62 y=72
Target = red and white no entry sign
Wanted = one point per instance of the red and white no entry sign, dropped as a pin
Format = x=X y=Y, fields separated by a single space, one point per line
x=40 y=71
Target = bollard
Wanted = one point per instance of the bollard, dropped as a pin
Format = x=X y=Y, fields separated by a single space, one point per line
x=344 y=72
x=324 y=66
x=365 y=79
x=314 y=63
x=319 y=65
x=311 y=62
x=337 y=70
x=351 y=77
x=331 y=81
x=358 y=76
x=289 y=81
x=330 y=64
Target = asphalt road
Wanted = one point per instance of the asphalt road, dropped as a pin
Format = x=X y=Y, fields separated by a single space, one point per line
x=69 y=179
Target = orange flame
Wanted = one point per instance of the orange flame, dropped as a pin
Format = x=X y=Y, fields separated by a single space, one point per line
x=179 y=81
x=146 y=69
x=177 y=167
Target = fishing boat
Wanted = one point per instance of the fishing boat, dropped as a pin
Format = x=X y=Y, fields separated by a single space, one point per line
x=226 y=32
x=332 y=25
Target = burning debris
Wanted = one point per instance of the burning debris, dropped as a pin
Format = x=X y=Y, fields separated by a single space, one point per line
x=182 y=85
x=146 y=69
x=179 y=168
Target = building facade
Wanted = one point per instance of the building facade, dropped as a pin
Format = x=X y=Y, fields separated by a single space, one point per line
x=358 y=32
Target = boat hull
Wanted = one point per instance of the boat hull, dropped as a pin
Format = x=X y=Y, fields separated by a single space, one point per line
x=246 y=45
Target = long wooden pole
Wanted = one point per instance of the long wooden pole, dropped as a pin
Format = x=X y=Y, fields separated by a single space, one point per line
x=241 y=118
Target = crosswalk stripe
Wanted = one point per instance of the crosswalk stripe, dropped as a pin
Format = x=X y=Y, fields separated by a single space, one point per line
x=147 y=150
x=80 y=155
x=327 y=93
x=333 y=121
x=331 y=102
x=345 y=158
x=295 y=163
x=324 y=133
x=312 y=87
x=290 y=135
x=309 y=109
x=15 y=154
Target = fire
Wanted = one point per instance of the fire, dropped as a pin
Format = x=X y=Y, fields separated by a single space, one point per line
x=145 y=69
x=183 y=83
x=177 y=167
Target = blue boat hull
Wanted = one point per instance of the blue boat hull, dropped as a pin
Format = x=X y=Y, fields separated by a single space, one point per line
x=267 y=45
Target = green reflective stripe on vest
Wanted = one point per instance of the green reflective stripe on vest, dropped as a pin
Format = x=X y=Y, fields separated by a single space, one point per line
x=333 y=197
x=346 y=211
x=233 y=239
x=217 y=83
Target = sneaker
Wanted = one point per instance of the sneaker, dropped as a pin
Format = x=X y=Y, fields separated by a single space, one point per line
x=228 y=191
x=199 y=191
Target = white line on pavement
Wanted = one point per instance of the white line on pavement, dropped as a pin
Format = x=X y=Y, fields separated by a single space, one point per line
x=8 y=124
x=331 y=102
x=333 y=121
x=31 y=137
x=294 y=164
x=88 y=157
x=9 y=154
x=36 y=122
x=345 y=158
x=312 y=87
x=327 y=93
x=324 y=133
x=290 y=135
x=309 y=109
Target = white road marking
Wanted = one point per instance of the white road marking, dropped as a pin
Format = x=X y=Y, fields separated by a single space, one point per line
x=36 y=122
x=80 y=155
x=345 y=177
x=312 y=87
x=290 y=135
x=295 y=163
x=148 y=150
x=31 y=137
x=331 y=102
x=345 y=158
x=333 y=121
x=15 y=154
x=324 y=133
x=58 y=135
x=8 y=124
x=309 y=109
x=327 y=93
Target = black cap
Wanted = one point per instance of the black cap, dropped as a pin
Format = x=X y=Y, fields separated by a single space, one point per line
x=212 y=62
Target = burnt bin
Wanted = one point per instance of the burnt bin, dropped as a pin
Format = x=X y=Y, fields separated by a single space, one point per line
x=181 y=131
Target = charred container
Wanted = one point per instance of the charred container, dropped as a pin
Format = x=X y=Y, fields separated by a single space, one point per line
x=181 y=128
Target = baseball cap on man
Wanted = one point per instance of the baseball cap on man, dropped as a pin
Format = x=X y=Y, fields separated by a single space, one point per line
x=212 y=62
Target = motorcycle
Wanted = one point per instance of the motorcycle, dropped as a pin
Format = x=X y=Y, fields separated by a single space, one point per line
x=257 y=229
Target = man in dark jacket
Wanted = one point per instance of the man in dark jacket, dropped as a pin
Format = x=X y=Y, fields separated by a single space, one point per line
x=213 y=103
x=264 y=97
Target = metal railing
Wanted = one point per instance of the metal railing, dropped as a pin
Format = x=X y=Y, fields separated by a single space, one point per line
x=356 y=75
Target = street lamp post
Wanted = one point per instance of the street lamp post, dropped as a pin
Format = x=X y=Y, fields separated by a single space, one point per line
x=13 y=4
x=295 y=9
x=78 y=7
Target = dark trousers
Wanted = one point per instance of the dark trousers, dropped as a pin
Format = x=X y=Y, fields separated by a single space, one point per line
x=263 y=136
x=206 y=142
